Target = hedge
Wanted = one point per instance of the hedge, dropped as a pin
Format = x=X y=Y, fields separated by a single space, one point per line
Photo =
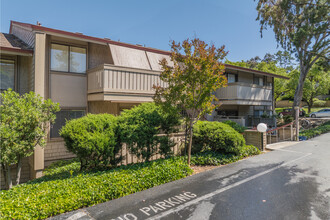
x=239 y=128
x=216 y=159
x=140 y=129
x=94 y=139
x=51 y=195
x=216 y=136
x=309 y=133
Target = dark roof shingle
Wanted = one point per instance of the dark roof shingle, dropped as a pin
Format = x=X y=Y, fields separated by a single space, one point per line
x=11 y=41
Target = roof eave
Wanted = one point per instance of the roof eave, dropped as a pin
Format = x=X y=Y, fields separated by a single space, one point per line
x=229 y=66
x=17 y=51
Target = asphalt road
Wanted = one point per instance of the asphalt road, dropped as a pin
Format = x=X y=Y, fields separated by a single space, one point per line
x=288 y=183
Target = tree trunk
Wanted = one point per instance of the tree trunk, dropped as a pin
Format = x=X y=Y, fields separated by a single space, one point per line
x=298 y=96
x=190 y=140
x=4 y=170
x=9 y=181
x=299 y=90
x=19 y=168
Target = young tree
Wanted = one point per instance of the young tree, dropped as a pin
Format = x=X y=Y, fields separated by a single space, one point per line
x=24 y=124
x=192 y=80
x=317 y=83
x=300 y=26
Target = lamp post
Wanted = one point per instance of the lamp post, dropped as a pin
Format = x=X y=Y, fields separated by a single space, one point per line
x=262 y=128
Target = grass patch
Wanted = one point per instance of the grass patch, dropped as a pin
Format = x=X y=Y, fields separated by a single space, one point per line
x=64 y=189
x=309 y=133
x=210 y=158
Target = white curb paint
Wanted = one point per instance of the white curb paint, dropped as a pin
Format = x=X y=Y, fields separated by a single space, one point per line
x=76 y=216
x=178 y=208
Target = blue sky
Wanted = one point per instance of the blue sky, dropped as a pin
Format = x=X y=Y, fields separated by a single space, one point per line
x=151 y=22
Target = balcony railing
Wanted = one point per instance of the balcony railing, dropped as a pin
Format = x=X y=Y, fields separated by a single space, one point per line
x=114 y=81
x=243 y=93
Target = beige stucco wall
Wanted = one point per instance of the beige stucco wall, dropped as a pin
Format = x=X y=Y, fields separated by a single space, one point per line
x=68 y=90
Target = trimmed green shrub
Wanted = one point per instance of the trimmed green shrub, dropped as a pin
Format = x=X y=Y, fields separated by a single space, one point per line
x=216 y=136
x=309 y=133
x=49 y=196
x=93 y=138
x=215 y=159
x=239 y=128
x=146 y=128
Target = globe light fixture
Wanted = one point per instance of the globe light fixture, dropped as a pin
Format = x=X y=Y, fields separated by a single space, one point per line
x=262 y=127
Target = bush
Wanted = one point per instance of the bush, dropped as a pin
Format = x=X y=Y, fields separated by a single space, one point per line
x=93 y=138
x=309 y=133
x=215 y=159
x=216 y=136
x=47 y=197
x=239 y=128
x=318 y=103
x=142 y=129
x=24 y=121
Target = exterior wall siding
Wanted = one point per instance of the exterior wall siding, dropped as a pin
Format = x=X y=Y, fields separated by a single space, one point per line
x=100 y=107
x=25 y=75
x=98 y=54
x=28 y=37
x=56 y=150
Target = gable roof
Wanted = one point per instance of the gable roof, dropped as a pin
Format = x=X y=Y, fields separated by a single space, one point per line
x=11 y=43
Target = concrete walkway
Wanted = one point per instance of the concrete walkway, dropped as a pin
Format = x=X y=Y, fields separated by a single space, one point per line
x=280 y=145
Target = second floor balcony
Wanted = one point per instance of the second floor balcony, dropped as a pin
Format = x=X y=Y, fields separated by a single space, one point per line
x=245 y=94
x=122 y=84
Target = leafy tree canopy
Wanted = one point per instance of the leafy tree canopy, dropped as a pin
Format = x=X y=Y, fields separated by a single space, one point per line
x=24 y=125
x=301 y=27
x=196 y=73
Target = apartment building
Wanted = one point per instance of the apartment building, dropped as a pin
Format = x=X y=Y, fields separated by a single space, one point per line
x=86 y=74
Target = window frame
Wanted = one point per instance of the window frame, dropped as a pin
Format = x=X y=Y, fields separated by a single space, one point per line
x=236 y=77
x=12 y=58
x=50 y=138
x=69 y=58
x=264 y=79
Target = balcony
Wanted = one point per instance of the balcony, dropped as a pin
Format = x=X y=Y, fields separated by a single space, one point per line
x=121 y=84
x=245 y=94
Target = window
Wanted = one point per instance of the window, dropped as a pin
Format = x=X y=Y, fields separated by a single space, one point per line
x=232 y=78
x=7 y=74
x=77 y=60
x=61 y=118
x=68 y=58
x=258 y=80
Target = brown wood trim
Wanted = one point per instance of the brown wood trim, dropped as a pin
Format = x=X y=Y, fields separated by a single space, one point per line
x=229 y=66
x=18 y=50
